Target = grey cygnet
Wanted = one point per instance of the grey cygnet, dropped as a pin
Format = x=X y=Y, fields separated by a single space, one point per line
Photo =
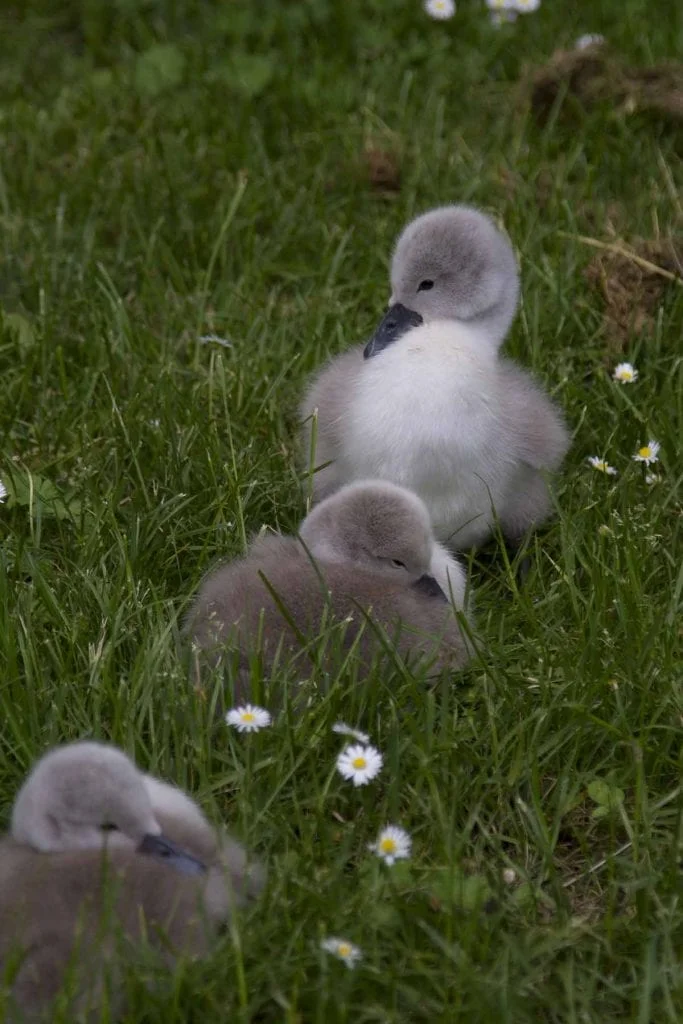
x=429 y=403
x=367 y=551
x=97 y=849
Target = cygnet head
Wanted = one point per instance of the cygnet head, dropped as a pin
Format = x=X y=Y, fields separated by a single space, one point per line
x=76 y=793
x=373 y=524
x=86 y=795
x=450 y=264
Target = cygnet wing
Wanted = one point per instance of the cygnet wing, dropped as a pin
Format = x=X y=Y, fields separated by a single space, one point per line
x=329 y=393
x=532 y=419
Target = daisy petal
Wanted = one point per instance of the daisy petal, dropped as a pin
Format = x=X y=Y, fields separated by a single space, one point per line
x=392 y=844
x=343 y=950
x=359 y=763
x=441 y=10
x=601 y=465
x=625 y=373
x=348 y=730
x=248 y=718
x=648 y=453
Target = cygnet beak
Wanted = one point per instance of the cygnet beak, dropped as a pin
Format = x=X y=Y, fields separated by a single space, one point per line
x=396 y=321
x=428 y=586
x=165 y=849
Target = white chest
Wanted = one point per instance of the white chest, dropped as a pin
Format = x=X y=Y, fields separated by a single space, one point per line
x=425 y=414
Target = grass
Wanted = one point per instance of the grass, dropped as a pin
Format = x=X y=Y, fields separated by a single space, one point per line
x=171 y=169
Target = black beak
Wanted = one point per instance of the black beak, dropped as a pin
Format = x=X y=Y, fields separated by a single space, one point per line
x=396 y=322
x=428 y=586
x=164 y=849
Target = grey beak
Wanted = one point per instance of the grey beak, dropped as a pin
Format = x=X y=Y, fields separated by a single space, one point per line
x=396 y=321
x=428 y=586
x=164 y=849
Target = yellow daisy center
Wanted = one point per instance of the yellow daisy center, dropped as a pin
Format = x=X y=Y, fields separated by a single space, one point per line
x=344 y=949
x=359 y=762
x=645 y=452
x=627 y=374
x=388 y=845
x=248 y=716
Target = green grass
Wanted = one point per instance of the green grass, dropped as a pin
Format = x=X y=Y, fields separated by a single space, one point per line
x=148 y=197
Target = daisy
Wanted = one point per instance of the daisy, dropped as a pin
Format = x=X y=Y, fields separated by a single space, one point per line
x=442 y=10
x=392 y=844
x=206 y=339
x=3 y=492
x=344 y=950
x=501 y=5
x=347 y=730
x=652 y=478
x=248 y=718
x=526 y=6
x=649 y=453
x=602 y=465
x=625 y=373
x=359 y=763
x=591 y=39
x=509 y=876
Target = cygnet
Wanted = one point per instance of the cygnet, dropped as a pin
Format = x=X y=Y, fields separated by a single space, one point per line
x=429 y=403
x=96 y=849
x=367 y=551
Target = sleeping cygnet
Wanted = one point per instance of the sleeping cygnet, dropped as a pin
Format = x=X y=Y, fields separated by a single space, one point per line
x=367 y=551
x=96 y=850
x=428 y=403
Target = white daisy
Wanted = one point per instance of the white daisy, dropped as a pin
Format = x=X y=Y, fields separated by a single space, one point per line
x=248 y=718
x=359 y=763
x=207 y=339
x=347 y=730
x=602 y=465
x=652 y=478
x=509 y=876
x=625 y=373
x=442 y=10
x=392 y=844
x=526 y=6
x=649 y=453
x=344 y=950
x=3 y=492
x=501 y=5
x=591 y=39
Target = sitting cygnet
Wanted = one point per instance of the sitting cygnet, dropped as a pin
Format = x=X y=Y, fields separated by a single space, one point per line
x=94 y=847
x=367 y=551
x=428 y=403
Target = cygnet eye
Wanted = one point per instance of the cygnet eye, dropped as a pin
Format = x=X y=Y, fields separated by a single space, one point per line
x=399 y=565
x=425 y=286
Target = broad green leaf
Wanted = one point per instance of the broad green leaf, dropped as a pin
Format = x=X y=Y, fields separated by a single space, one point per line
x=26 y=489
x=604 y=794
x=20 y=328
x=451 y=887
x=159 y=68
x=249 y=73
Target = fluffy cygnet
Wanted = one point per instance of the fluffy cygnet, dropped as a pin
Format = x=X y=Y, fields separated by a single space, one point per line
x=94 y=847
x=428 y=403
x=367 y=551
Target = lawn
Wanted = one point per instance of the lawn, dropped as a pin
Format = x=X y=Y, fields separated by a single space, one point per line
x=197 y=205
